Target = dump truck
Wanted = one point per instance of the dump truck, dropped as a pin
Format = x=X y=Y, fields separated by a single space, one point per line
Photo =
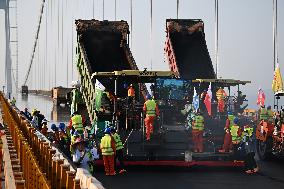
x=25 y=90
x=173 y=90
x=60 y=95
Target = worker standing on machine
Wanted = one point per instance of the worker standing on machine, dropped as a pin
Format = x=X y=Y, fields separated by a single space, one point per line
x=131 y=95
x=151 y=110
x=221 y=94
x=227 y=146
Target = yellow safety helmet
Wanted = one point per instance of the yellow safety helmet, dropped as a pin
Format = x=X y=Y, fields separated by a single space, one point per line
x=34 y=111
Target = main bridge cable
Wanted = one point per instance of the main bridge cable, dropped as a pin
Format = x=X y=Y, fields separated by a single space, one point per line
x=35 y=43
x=151 y=32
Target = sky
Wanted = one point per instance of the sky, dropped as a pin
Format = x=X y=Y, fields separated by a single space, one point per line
x=245 y=37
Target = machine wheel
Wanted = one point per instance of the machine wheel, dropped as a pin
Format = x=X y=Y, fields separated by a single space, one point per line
x=264 y=149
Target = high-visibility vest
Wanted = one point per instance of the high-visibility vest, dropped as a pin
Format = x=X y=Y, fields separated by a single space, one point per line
x=234 y=133
x=131 y=91
x=249 y=130
x=198 y=123
x=231 y=119
x=270 y=115
x=106 y=145
x=118 y=143
x=77 y=123
x=263 y=114
x=220 y=94
x=150 y=107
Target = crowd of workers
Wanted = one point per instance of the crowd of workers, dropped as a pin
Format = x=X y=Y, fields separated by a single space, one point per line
x=77 y=142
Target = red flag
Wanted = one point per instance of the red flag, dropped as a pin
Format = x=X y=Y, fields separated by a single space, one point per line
x=207 y=102
x=260 y=97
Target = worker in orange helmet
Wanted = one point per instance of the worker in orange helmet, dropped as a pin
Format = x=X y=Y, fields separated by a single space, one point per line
x=151 y=110
x=221 y=94
x=131 y=94
x=197 y=132
x=108 y=149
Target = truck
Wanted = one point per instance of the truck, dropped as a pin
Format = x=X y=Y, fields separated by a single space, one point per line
x=60 y=95
x=187 y=52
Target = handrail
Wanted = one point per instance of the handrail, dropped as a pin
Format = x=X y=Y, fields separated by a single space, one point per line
x=41 y=164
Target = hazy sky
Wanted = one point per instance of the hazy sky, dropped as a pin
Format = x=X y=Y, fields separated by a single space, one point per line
x=245 y=36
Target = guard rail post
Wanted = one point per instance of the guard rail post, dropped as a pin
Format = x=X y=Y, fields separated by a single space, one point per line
x=63 y=175
x=70 y=178
x=59 y=162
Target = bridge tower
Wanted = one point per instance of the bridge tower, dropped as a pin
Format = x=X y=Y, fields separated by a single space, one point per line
x=11 y=40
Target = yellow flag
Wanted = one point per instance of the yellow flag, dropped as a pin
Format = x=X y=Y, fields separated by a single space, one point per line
x=277 y=83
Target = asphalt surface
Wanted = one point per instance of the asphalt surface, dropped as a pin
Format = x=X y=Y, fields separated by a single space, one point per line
x=270 y=176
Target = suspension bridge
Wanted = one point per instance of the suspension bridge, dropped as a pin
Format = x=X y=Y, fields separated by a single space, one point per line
x=50 y=61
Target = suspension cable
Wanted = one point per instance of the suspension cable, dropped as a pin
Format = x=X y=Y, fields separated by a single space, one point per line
x=177 y=8
x=45 y=57
x=35 y=43
x=72 y=50
x=216 y=36
x=114 y=10
x=93 y=8
x=151 y=30
x=131 y=21
x=103 y=9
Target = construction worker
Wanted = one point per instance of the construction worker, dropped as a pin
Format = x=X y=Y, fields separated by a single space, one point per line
x=84 y=156
x=227 y=146
x=64 y=140
x=262 y=113
x=76 y=123
x=27 y=114
x=221 y=94
x=55 y=138
x=236 y=134
x=35 y=119
x=119 y=150
x=44 y=128
x=131 y=94
x=248 y=145
x=270 y=114
x=197 y=132
x=107 y=147
x=151 y=110
x=13 y=101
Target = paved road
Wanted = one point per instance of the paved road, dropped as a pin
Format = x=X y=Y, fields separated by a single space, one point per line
x=271 y=175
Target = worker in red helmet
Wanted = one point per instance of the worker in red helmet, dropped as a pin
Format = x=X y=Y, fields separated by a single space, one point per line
x=151 y=110
x=197 y=132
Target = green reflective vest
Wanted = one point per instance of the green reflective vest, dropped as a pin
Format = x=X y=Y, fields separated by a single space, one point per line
x=106 y=145
x=150 y=107
x=263 y=114
x=270 y=115
x=198 y=123
x=118 y=143
x=231 y=119
x=77 y=123
x=249 y=131
x=234 y=132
